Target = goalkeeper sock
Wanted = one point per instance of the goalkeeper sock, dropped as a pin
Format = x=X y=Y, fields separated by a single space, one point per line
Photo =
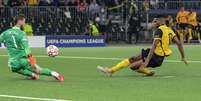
x=45 y=71
x=48 y=72
x=120 y=65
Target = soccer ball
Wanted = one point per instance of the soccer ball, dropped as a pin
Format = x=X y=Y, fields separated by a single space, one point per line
x=52 y=51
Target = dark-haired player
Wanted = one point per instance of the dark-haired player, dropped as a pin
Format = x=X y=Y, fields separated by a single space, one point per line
x=20 y=58
x=151 y=57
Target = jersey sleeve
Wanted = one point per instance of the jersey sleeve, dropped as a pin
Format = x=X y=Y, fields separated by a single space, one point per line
x=158 y=34
x=25 y=44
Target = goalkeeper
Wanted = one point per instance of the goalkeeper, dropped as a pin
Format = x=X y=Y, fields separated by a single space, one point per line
x=21 y=60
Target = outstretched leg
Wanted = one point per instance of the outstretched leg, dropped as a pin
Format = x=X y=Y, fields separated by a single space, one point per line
x=47 y=72
x=123 y=64
x=28 y=73
x=135 y=63
x=138 y=67
x=38 y=70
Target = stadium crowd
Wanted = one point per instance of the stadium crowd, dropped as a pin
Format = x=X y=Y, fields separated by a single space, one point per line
x=12 y=3
x=95 y=17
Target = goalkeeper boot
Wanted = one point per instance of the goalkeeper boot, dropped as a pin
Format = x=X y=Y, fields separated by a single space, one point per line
x=59 y=77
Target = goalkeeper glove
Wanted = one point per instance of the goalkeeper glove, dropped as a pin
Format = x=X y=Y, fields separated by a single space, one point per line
x=32 y=60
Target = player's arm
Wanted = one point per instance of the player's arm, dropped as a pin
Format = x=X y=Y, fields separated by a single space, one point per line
x=25 y=45
x=181 y=49
x=157 y=38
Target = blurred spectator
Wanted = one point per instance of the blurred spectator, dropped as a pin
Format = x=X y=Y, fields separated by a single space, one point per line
x=169 y=21
x=134 y=23
x=5 y=2
x=134 y=27
x=83 y=6
x=1 y=3
x=33 y=2
x=146 y=5
x=112 y=3
x=55 y=3
x=24 y=3
x=13 y=3
x=94 y=9
x=72 y=3
x=44 y=2
x=182 y=20
x=28 y=29
x=154 y=3
x=199 y=32
x=103 y=21
x=192 y=27
x=133 y=8
x=94 y=28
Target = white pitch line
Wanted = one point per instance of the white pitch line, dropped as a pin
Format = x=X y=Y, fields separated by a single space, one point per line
x=102 y=58
x=32 y=98
x=166 y=77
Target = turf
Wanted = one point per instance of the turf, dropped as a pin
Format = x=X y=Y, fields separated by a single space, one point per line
x=173 y=81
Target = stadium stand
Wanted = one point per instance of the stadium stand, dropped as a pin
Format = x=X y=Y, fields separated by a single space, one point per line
x=63 y=17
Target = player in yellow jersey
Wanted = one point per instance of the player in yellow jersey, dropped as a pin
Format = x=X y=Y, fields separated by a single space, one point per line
x=150 y=57
x=193 y=23
x=182 y=21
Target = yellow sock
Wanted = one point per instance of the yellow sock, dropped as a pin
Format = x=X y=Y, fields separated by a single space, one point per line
x=120 y=65
x=190 y=35
x=144 y=70
x=181 y=36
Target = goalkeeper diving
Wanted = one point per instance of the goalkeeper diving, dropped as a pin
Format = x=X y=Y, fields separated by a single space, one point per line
x=21 y=60
x=151 y=57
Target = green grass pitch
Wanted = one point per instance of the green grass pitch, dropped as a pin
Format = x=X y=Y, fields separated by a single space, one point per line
x=173 y=81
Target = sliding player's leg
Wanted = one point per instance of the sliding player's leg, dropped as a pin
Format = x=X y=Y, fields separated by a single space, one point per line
x=41 y=71
x=122 y=64
x=16 y=67
x=48 y=72
x=125 y=63
x=155 y=61
x=28 y=73
x=137 y=66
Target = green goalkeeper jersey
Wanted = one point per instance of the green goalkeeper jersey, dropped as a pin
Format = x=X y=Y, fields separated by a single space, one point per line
x=16 y=42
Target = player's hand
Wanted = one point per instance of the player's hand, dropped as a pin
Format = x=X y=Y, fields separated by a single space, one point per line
x=144 y=64
x=184 y=60
x=32 y=60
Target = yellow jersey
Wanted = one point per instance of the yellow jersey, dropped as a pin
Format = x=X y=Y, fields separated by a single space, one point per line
x=182 y=17
x=33 y=2
x=192 y=19
x=165 y=35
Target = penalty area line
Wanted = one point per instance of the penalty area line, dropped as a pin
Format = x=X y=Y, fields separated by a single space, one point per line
x=31 y=98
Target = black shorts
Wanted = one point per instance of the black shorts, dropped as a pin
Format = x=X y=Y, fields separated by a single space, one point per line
x=183 y=26
x=155 y=61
